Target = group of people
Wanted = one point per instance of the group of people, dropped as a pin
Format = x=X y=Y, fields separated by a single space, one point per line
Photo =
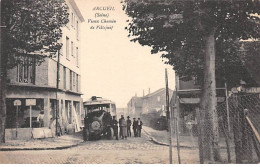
x=125 y=127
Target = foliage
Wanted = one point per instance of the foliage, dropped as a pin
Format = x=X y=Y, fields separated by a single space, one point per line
x=32 y=27
x=177 y=29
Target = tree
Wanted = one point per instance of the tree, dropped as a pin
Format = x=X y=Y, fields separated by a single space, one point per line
x=199 y=38
x=28 y=28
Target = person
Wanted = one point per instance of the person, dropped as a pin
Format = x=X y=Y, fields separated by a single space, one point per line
x=120 y=128
x=135 y=127
x=53 y=127
x=139 y=127
x=129 y=123
x=115 y=127
x=40 y=119
x=124 y=128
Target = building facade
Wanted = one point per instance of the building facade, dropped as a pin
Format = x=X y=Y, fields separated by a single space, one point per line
x=134 y=107
x=188 y=100
x=31 y=81
x=151 y=108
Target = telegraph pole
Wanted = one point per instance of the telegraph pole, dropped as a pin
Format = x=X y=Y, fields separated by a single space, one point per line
x=57 y=89
x=168 y=116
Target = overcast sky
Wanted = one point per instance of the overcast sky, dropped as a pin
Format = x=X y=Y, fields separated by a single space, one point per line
x=113 y=67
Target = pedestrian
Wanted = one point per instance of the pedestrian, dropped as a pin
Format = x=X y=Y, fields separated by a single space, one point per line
x=123 y=127
x=40 y=119
x=139 y=127
x=129 y=123
x=135 y=127
x=115 y=127
x=120 y=127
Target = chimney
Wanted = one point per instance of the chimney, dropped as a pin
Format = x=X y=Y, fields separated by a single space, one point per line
x=143 y=92
x=149 y=91
x=135 y=94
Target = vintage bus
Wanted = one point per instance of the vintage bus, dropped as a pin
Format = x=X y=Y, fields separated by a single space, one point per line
x=98 y=118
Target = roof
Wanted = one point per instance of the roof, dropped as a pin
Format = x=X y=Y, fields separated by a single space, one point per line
x=136 y=100
x=156 y=92
x=75 y=7
x=98 y=101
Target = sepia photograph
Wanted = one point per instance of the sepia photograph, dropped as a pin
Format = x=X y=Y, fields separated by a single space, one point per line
x=130 y=82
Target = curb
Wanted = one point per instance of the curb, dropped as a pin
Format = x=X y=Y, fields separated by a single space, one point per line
x=51 y=148
x=165 y=144
x=155 y=141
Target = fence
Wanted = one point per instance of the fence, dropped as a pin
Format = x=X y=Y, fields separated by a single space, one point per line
x=239 y=127
x=239 y=123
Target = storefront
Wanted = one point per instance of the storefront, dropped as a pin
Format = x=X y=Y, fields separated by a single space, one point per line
x=40 y=121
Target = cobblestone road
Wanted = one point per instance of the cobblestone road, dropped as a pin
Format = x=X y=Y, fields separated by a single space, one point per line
x=130 y=151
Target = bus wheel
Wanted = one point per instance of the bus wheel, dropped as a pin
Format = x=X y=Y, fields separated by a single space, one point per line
x=110 y=133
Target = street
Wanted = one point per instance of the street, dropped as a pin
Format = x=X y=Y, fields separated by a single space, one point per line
x=130 y=151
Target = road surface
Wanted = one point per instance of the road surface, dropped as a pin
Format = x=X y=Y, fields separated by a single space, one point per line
x=130 y=151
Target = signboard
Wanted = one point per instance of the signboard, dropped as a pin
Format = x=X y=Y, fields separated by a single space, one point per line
x=30 y=102
x=253 y=90
x=17 y=103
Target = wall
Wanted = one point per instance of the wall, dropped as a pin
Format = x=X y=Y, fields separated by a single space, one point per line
x=41 y=75
x=151 y=104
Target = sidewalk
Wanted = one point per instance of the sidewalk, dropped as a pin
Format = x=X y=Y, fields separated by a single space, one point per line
x=162 y=138
x=62 y=142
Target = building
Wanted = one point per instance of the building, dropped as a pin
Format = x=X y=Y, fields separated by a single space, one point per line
x=121 y=111
x=134 y=106
x=188 y=100
x=39 y=82
x=150 y=108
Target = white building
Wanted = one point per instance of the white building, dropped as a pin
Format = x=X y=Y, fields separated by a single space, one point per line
x=40 y=83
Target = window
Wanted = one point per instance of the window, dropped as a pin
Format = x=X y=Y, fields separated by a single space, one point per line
x=67 y=25
x=23 y=116
x=67 y=48
x=72 y=19
x=71 y=80
x=64 y=77
x=77 y=30
x=196 y=80
x=26 y=70
x=74 y=79
x=158 y=98
x=72 y=48
x=77 y=56
x=163 y=107
x=77 y=82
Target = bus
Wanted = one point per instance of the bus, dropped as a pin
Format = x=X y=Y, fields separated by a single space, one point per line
x=98 y=118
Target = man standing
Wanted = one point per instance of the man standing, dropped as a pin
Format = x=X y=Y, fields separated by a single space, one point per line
x=120 y=126
x=115 y=127
x=139 y=127
x=135 y=127
x=129 y=123
x=40 y=119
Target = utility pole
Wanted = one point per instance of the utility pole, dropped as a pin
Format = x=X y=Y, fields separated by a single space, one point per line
x=57 y=89
x=176 y=116
x=168 y=116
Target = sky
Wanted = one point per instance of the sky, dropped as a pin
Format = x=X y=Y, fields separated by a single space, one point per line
x=112 y=67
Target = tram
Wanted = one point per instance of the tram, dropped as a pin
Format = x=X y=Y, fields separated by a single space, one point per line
x=98 y=118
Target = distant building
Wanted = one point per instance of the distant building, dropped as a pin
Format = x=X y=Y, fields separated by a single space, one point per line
x=29 y=81
x=121 y=111
x=134 y=106
x=150 y=108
